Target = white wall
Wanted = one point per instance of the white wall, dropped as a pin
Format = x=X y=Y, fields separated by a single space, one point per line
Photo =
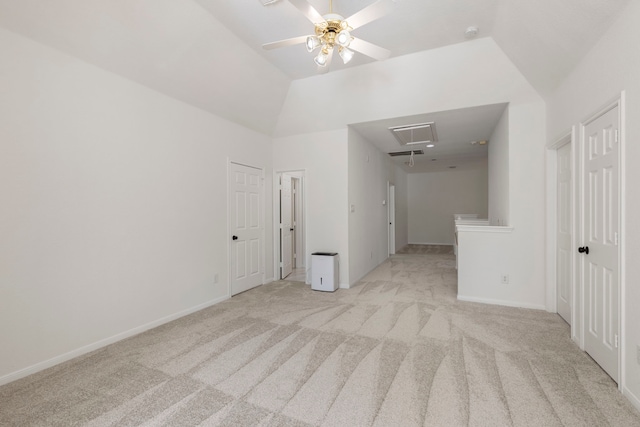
x=499 y=172
x=114 y=216
x=174 y=47
x=485 y=254
x=435 y=196
x=613 y=65
x=370 y=171
x=410 y=85
x=323 y=157
x=404 y=85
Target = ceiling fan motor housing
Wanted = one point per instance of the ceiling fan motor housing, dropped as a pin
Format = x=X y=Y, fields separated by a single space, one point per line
x=328 y=31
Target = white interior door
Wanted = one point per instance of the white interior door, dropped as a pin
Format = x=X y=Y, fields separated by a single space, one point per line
x=286 y=226
x=246 y=220
x=392 y=219
x=298 y=258
x=563 y=233
x=600 y=227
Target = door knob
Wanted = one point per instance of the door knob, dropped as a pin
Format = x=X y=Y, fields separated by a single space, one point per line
x=584 y=250
x=235 y=237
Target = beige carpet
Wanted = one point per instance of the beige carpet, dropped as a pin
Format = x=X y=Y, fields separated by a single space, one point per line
x=395 y=350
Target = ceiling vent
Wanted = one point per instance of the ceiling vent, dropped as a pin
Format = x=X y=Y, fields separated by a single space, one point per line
x=420 y=133
x=406 y=153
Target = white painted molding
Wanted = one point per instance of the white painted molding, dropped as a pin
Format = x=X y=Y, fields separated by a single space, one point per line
x=471 y=222
x=632 y=397
x=483 y=229
x=104 y=342
x=551 y=154
x=430 y=243
x=501 y=302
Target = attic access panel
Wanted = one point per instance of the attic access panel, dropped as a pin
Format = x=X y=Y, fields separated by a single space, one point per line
x=415 y=134
x=405 y=153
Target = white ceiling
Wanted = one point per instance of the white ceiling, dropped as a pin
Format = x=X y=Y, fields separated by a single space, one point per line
x=455 y=130
x=208 y=53
x=543 y=38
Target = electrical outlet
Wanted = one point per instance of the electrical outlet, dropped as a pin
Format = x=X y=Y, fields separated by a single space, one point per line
x=215 y=278
x=504 y=279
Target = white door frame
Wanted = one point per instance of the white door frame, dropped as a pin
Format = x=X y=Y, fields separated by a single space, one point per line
x=298 y=181
x=552 y=224
x=276 y=220
x=263 y=262
x=579 y=185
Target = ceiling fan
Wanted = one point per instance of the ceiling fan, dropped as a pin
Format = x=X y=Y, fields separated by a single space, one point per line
x=334 y=31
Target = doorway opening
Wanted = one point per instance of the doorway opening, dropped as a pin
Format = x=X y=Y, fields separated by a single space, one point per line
x=290 y=226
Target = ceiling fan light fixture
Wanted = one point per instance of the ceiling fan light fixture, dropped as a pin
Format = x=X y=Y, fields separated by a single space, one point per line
x=323 y=57
x=344 y=38
x=312 y=43
x=333 y=30
x=345 y=54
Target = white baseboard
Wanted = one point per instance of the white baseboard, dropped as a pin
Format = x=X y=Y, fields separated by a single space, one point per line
x=501 y=302
x=40 y=366
x=347 y=286
x=635 y=401
x=430 y=243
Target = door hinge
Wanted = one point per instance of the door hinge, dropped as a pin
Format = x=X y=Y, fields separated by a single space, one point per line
x=616 y=340
x=281 y=265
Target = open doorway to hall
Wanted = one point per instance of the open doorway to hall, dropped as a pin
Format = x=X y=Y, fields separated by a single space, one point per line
x=290 y=225
x=444 y=157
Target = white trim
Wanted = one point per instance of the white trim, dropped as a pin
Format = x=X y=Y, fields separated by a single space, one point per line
x=632 y=397
x=484 y=228
x=622 y=273
x=40 y=366
x=551 y=157
x=347 y=286
x=501 y=302
x=430 y=243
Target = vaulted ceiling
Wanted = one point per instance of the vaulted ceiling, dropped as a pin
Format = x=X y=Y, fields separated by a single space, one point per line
x=208 y=52
x=543 y=38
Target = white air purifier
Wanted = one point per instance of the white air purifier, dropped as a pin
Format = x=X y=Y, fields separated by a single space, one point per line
x=325 y=274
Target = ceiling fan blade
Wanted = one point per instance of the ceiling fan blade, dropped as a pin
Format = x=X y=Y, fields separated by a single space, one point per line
x=325 y=69
x=307 y=10
x=284 y=43
x=369 y=49
x=370 y=13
